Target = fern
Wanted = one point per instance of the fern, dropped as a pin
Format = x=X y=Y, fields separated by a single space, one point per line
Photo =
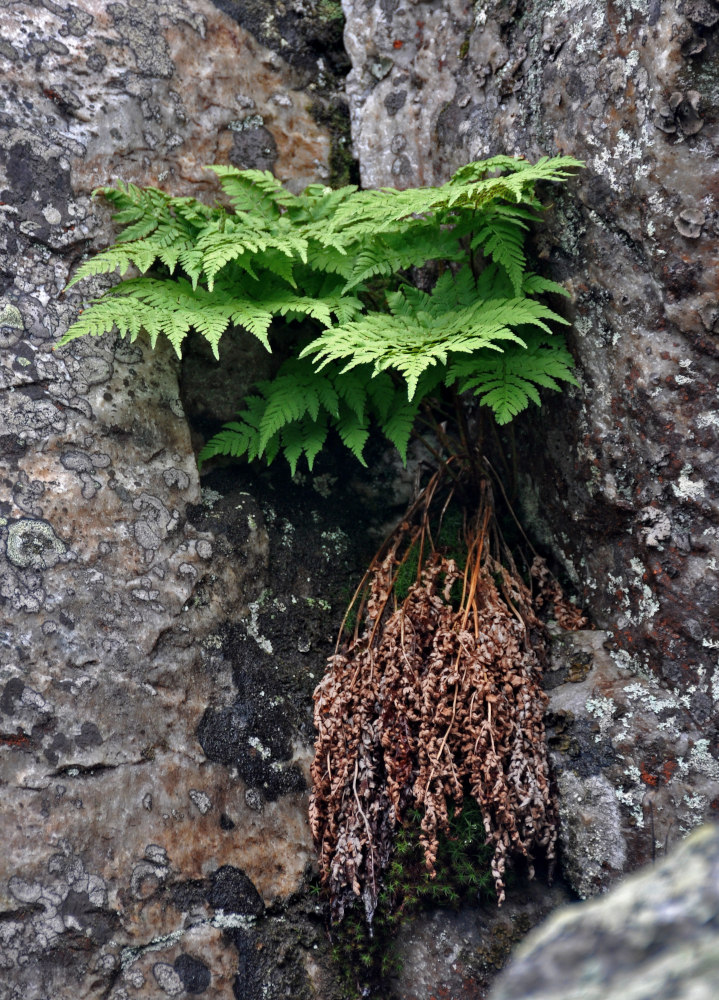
x=421 y=330
x=508 y=383
x=374 y=348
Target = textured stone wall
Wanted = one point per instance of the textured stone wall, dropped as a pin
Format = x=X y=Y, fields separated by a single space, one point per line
x=655 y=934
x=135 y=835
x=619 y=479
x=159 y=643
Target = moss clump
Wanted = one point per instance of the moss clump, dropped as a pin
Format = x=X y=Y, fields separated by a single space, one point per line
x=334 y=116
x=367 y=958
x=448 y=538
x=329 y=11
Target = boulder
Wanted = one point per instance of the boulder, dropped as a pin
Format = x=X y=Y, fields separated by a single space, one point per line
x=653 y=935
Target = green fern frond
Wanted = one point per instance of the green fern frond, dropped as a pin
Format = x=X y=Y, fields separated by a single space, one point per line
x=304 y=437
x=503 y=240
x=507 y=384
x=293 y=414
x=422 y=330
x=398 y=426
x=256 y=192
x=338 y=260
x=535 y=284
x=354 y=431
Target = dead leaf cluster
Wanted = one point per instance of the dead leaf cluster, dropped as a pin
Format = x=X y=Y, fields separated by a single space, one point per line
x=439 y=696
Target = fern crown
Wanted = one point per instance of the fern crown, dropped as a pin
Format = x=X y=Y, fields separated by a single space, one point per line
x=372 y=347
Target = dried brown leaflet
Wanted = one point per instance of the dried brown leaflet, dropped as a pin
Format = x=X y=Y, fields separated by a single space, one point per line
x=438 y=696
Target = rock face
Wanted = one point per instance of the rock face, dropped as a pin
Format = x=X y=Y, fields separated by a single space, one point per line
x=159 y=643
x=625 y=494
x=634 y=771
x=653 y=935
x=141 y=790
x=457 y=954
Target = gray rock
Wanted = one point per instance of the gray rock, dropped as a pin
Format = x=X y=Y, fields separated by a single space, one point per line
x=634 y=771
x=149 y=633
x=653 y=935
x=618 y=479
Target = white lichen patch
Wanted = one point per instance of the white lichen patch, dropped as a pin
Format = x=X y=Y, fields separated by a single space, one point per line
x=334 y=543
x=649 y=701
x=686 y=488
x=213 y=641
x=287 y=534
x=709 y=418
x=631 y=799
x=603 y=710
x=317 y=602
x=701 y=760
x=253 y=626
x=209 y=497
x=229 y=921
x=261 y=749
x=715 y=686
x=590 y=831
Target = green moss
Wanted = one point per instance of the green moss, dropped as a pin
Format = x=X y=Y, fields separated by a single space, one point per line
x=367 y=958
x=702 y=73
x=329 y=10
x=334 y=116
x=448 y=538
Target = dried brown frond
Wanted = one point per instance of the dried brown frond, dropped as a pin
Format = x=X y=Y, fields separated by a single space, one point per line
x=567 y=615
x=435 y=696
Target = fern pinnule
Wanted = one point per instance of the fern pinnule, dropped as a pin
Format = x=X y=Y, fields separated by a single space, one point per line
x=507 y=384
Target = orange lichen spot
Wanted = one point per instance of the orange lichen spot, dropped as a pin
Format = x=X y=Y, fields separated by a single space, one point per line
x=397 y=43
x=17 y=740
x=661 y=777
x=668 y=770
x=647 y=778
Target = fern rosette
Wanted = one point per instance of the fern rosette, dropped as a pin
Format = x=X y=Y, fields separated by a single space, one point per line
x=372 y=347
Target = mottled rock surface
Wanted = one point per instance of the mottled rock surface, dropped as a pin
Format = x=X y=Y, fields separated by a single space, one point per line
x=624 y=494
x=158 y=643
x=654 y=935
x=634 y=771
x=456 y=954
x=120 y=826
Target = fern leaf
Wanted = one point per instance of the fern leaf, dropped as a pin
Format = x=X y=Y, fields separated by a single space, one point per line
x=397 y=427
x=354 y=387
x=239 y=438
x=115 y=258
x=218 y=248
x=315 y=437
x=353 y=431
x=534 y=284
x=306 y=436
x=503 y=241
x=254 y=318
x=257 y=192
x=293 y=442
x=232 y=440
x=139 y=229
x=381 y=391
x=286 y=403
x=507 y=384
x=422 y=330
